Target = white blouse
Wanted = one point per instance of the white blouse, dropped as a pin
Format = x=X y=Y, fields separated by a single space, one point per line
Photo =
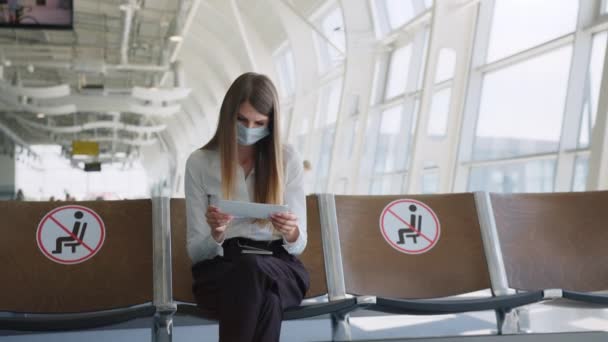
x=203 y=178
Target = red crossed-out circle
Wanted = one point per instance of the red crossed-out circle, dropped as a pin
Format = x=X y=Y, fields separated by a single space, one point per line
x=389 y=210
x=49 y=220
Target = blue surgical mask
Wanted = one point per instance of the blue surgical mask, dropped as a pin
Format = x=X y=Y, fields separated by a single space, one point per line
x=249 y=136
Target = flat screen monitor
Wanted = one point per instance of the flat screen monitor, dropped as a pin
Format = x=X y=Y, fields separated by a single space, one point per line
x=37 y=14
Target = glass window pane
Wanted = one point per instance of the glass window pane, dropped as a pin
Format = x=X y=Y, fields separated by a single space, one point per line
x=592 y=88
x=605 y=6
x=333 y=101
x=301 y=144
x=376 y=187
x=424 y=54
x=586 y=128
x=430 y=182
x=596 y=68
x=379 y=18
x=520 y=24
x=54 y=175
x=532 y=176
x=291 y=71
x=399 y=12
x=324 y=159
x=304 y=127
x=343 y=159
x=351 y=138
x=347 y=140
x=386 y=185
x=393 y=14
x=386 y=150
x=369 y=152
x=375 y=96
x=398 y=71
x=522 y=107
x=329 y=104
x=308 y=176
x=285 y=68
x=445 y=65
x=394 y=139
x=391 y=121
x=438 y=116
x=332 y=26
x=285 y=120
x=415 y=117
x=341 y=186
x=581 y=170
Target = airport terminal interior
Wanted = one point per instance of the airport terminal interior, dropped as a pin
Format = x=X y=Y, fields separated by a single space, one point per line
x=103 y=101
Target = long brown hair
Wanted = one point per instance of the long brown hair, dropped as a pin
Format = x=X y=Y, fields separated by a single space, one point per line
x=259 y=91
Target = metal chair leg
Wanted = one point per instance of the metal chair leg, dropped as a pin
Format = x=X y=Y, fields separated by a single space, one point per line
x=507 y=322
x=340 y=326
x=163 y=327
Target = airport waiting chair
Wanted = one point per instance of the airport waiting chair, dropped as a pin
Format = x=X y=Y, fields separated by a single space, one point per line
x=113 y=286
x=419 y=284
x=313 y=259
x=555 y=241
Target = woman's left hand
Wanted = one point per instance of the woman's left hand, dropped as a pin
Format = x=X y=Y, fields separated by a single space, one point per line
x=287 y=225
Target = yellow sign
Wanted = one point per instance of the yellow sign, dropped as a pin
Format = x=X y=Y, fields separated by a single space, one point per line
x=90 y=148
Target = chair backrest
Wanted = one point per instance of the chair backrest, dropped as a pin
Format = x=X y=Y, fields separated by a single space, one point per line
x=182 y=276
x=554 y=240
x=119 y=274
x=313 y=253
x=181 y=263
x=455 y=265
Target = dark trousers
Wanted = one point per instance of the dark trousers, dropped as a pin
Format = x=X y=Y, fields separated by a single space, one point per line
x=248 y=292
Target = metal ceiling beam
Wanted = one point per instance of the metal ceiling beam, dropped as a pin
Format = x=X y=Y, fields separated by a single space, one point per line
x=107 y=124
x=312 y=26
x=243 y=33
x=100 y=67
x=111 y=139
x=77 y=103
x=181 y=31
x=129 y=8
x=16 y=138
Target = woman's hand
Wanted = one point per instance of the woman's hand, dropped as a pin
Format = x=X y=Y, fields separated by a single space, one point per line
x=287 y=225
x=218 y=221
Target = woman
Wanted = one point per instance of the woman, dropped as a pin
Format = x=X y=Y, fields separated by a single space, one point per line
x=246 y=161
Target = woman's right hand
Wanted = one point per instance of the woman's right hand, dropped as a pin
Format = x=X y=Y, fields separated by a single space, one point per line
x=218 y=221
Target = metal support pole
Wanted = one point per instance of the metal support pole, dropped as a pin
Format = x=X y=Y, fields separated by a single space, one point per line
x=340 y=327
x=507 y=322
x=333 y=264
x=162 y=330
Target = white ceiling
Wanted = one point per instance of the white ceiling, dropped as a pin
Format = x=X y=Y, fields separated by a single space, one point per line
x=88 y=60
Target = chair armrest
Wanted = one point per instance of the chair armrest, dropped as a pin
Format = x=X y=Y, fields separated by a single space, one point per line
x=443 y=306
x=342 y=306
x=297 y=312
x=584 y=297
x=74 y=321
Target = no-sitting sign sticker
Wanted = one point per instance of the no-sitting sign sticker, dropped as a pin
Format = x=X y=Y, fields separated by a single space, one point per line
x=70 y=234
x=410 y=226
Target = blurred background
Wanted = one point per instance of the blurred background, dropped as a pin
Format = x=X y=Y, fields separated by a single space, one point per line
x=379 y=96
